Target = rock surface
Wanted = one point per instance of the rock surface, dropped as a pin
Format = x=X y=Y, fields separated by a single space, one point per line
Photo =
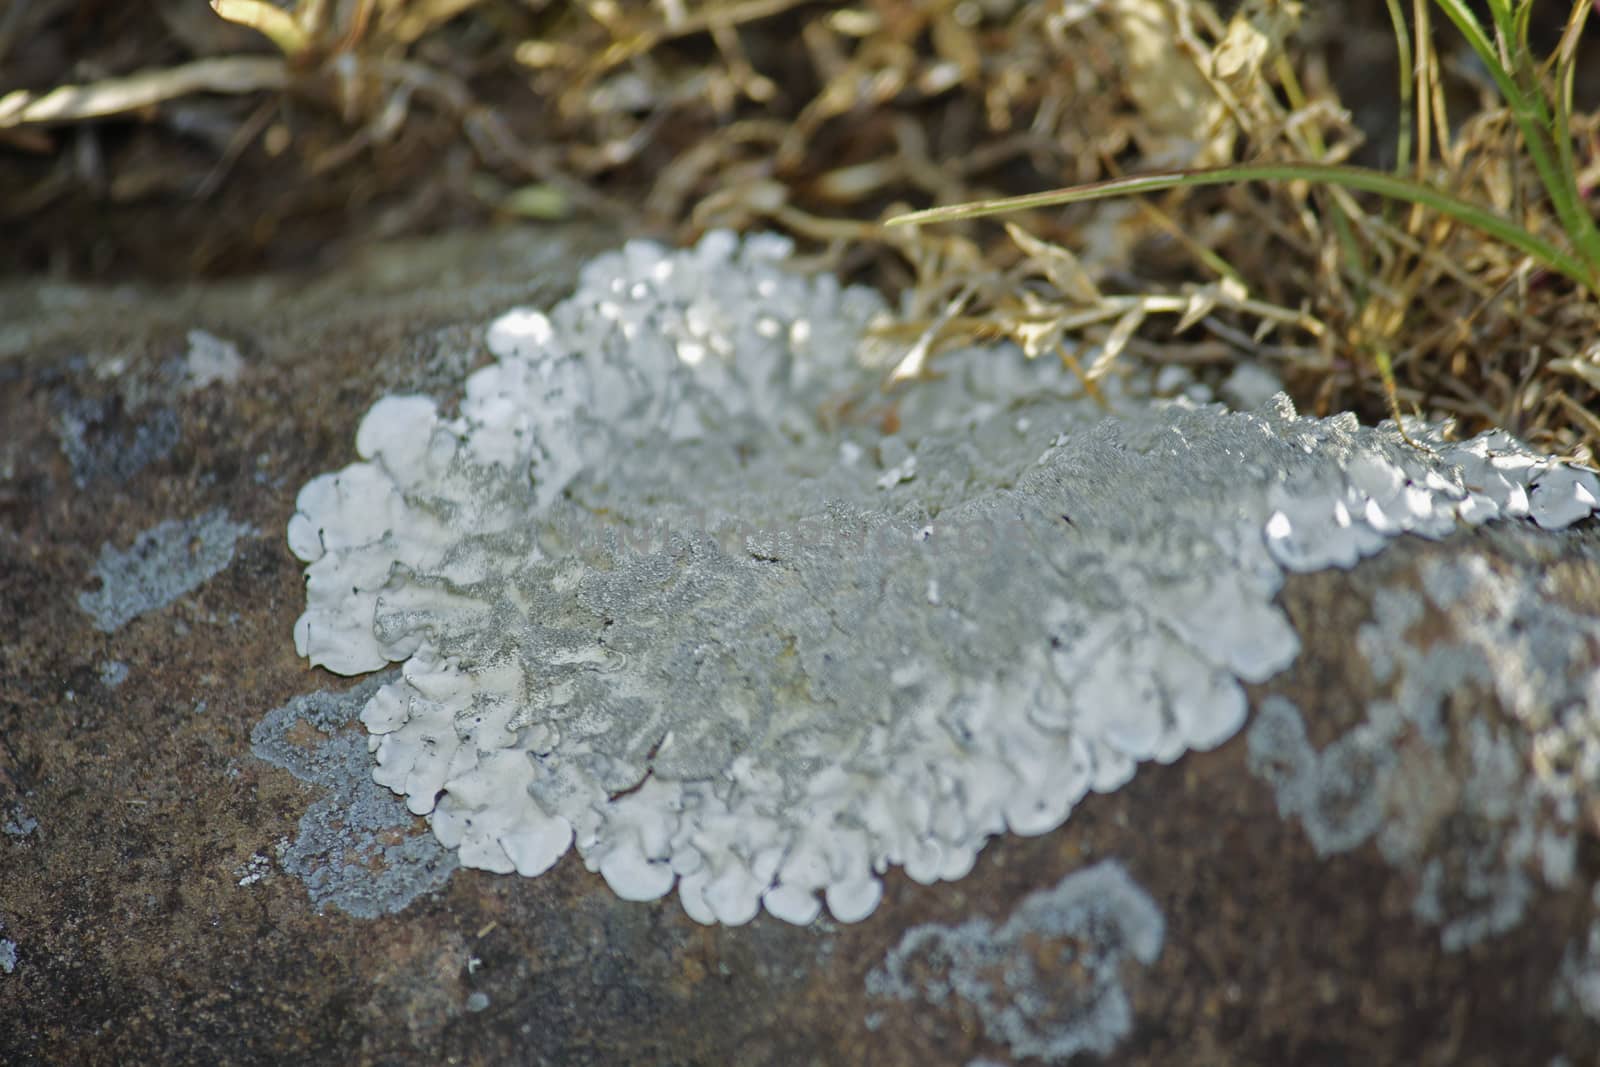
x=196 y=867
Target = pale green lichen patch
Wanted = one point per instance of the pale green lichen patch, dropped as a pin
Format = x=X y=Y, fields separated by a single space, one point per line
x=663 y=600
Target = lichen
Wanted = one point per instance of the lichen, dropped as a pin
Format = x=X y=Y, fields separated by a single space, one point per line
x=162 y=564
x=113 y=673
x=1480 y=809
x=671 y=591
x=96 y=452
x=1335 y=792
x=1047 y=982
x=18 y=822
x=8 y=952
x=209 y=360
x=357 y=848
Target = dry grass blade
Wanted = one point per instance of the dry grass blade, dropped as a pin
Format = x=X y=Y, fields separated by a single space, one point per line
x=279 y=26
x=1059 y=265
x=116 y=96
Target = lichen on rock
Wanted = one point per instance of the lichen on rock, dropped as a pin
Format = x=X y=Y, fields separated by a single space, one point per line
x=1047 y=982
x=662 y=594
x=163 y=563
x=356 y=849
x=1477 y=772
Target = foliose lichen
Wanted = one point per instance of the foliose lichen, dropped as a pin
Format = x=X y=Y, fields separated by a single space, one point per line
x=665 y=595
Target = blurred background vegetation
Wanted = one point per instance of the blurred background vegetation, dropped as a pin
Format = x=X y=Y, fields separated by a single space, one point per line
x=181 y=140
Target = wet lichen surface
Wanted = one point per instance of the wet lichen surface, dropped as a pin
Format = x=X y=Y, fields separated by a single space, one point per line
x=154 y=904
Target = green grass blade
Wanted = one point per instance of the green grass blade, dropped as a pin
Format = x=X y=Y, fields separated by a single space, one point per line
x=1394 y=186
x=1469 y=27
x=1520 y=89
x=1402 y=42
x=1581 y=229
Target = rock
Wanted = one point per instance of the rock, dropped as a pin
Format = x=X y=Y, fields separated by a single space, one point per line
x=1394 y=860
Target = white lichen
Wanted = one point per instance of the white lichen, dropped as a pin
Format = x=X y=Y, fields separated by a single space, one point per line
x=663 y=595
x=252 y=870
x=210 y=359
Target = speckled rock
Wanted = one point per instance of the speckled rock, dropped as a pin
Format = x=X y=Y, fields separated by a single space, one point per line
x=1394 y=860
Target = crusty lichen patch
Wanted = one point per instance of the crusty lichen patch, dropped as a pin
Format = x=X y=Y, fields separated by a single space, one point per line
x=1045 y=983
x=1478 y=773
x=659 y=596
x=162 y=564
x=98 y=451
x=357 y=848
x=8 y=953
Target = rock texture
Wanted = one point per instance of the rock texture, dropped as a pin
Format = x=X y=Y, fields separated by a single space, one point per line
x=1394 y=861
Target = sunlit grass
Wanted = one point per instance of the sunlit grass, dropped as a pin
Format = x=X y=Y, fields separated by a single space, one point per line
x=1390 y=263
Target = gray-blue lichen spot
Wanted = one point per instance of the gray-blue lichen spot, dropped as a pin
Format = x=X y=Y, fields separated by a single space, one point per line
x=358 y=849
x=8 y=955
x=18 y=822
x=1051 y=1002
x=1480 y=809
x=95 y=453
x=163 y=563
x=113 y=673
x=1335 y=792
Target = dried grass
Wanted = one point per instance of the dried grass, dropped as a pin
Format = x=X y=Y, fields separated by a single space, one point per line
x=823 y=120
